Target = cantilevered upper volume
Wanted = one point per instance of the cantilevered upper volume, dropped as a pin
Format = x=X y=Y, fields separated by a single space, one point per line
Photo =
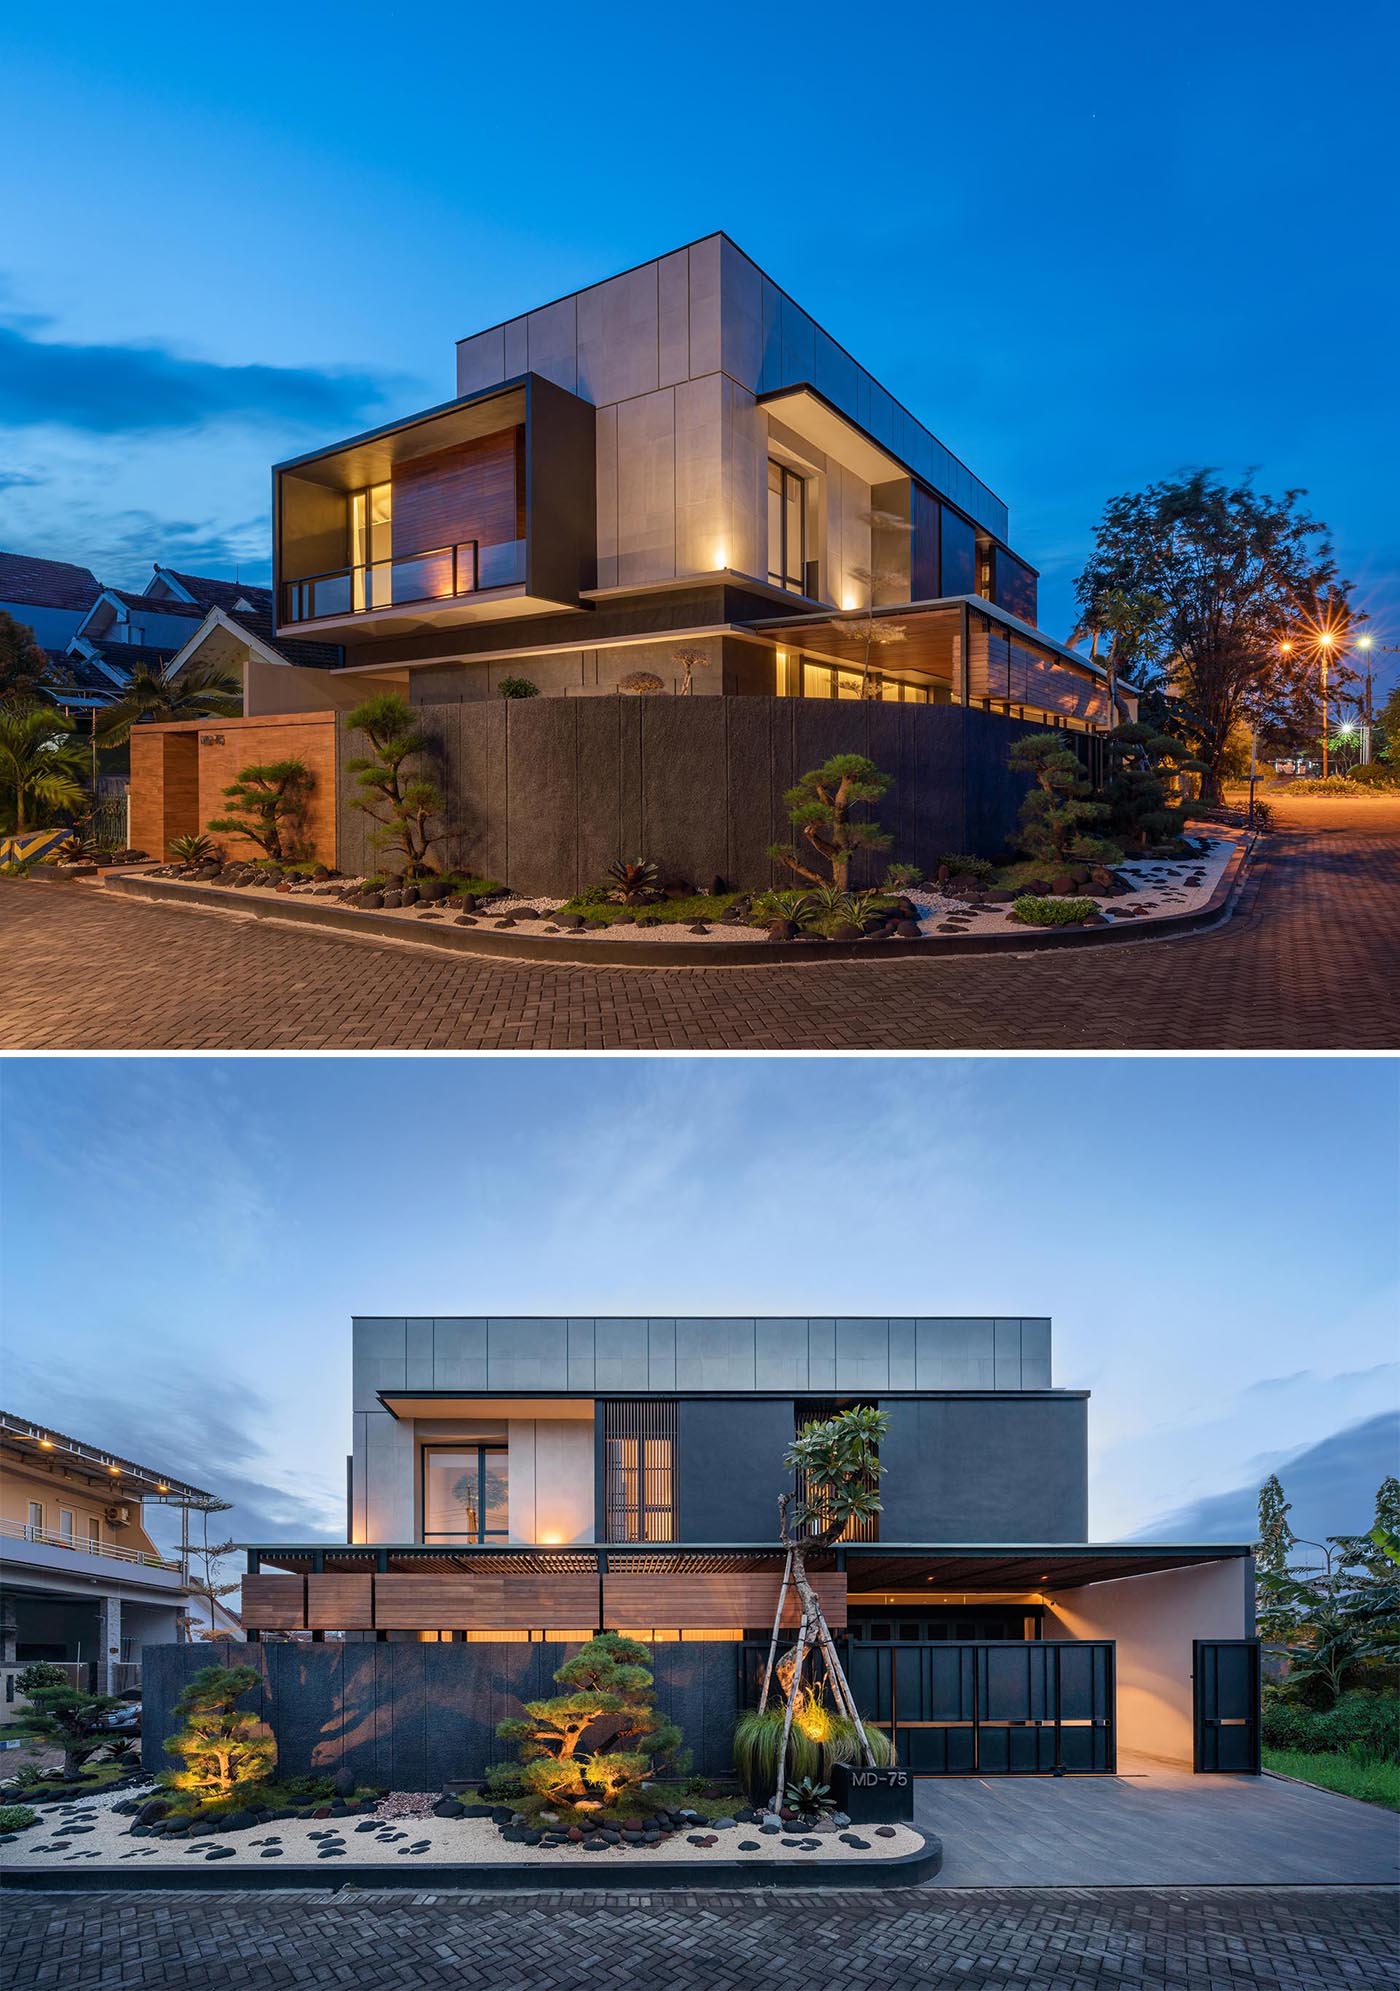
x=679 y=455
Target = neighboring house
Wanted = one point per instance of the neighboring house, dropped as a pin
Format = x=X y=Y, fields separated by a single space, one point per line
x=679 y=456
x=81 y=1580
x=532 y=1480
x=51 y=597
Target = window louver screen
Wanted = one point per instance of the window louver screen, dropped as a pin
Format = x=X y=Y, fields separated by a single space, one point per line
x=639 y=1449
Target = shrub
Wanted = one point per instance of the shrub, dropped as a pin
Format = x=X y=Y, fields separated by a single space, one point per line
x=633 y=883
x=517 y=687
x=73 y=1720
x=1357 y=1722
x=1058 y=816
x=1032 y=911
x=193 y=848
x=819 y=809
x=267 y=804
x=961 y=866
x=16 y=1817
x=1263 y=814
x=40 y=1673
x=1376 y=774
x=1335 y=784
x=902 y=877
x=768 y=907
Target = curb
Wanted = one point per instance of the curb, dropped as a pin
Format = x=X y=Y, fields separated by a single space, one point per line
x=569 y=952
x=906 y=1870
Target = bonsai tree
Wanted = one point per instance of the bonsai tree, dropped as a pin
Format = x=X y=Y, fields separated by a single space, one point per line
x=691 y=659
x=402 y=800
x=1058 y=815
x=640 y=684
x=71 y=1719
x=268 y=806
x=1142 y=762
x=40 y=764
x=837 y=1467
x=601 y=1737
x=819 y=809
x=220 y=1746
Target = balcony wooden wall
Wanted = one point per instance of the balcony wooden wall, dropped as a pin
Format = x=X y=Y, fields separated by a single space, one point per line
x=450 y=1602
x=474 y=490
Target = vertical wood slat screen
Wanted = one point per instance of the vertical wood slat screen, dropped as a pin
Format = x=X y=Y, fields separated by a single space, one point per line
x=639 y=1450
x=855 y=1530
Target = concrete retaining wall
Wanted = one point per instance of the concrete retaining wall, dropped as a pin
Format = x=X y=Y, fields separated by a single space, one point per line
x=544 y=793
x=407 y=1715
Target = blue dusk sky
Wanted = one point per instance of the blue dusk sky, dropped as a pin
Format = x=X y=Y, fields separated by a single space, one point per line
x=1088 y=245
x=1215 y=1240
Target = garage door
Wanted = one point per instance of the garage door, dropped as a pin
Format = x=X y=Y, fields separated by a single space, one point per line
x=990 y=1707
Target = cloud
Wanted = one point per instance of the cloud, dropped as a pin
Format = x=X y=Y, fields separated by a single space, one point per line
x=1331 y=1484
x=135 y=390
x=18 y=480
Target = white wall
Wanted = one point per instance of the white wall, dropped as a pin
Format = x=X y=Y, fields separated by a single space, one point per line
x=1153 y=1620
x=551 y=1479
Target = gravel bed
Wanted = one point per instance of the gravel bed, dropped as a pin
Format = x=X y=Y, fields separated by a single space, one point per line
x=88 y=1835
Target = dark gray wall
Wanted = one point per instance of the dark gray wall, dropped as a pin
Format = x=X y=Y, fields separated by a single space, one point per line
x=730 y=1459
x=544 y=793
x=408 y=1716
x=996 y=1469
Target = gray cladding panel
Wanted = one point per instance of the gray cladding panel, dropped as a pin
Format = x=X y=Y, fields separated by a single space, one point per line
x=862 y=1355
x=780 y=1355
x=714 y=1354
x=528 y=1354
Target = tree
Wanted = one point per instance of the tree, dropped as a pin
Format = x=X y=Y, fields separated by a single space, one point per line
x=1057 y=815
x=691 y=659
x=220 y=1746
x=24 y=664
x=1128 y=618
x=836 y=1464
x=205 y=1563
x=268 y=806
x=1244 y=600
x=820 y=808
x=1141 y=762
x=402 y=801
x=1388 y=727
x=39 y=762
x=598 y=1739
x=1276 y=1538
x=201 y=692
x=72 y=1719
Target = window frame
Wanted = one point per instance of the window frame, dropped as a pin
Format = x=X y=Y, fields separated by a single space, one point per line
x=482 y=1447
x=781 y=577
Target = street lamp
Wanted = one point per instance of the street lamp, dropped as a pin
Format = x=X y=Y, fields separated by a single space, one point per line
x=1325 y=640
x=1364 y=644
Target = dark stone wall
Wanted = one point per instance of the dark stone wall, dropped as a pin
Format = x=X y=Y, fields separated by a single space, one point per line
x=996 y=1469
x=543 y=793
x=408 y=1715
x=730 y=1467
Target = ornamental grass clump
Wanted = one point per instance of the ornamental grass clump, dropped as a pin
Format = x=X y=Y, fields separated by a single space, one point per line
x=601 y=1742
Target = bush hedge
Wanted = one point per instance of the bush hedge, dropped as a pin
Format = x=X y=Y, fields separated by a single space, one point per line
x=1366 y=1722
x=1033 y=911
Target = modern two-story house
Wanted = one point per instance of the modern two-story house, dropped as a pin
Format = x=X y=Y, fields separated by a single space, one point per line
x=525 y=1482
x=716 y=548
x=82 y=1582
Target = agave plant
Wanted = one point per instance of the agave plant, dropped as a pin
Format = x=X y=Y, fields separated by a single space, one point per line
x=122 y=1751
x=770 y=907
x=76 y=849
x=634 y=882
x=192 y=848
x=809 y=1799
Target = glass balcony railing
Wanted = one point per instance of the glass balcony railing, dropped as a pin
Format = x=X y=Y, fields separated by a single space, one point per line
x=436 y=575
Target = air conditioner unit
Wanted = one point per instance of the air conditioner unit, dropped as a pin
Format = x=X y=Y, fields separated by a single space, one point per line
x=118 y=1516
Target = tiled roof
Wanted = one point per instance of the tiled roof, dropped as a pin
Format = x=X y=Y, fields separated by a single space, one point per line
x=316 y=656
x=157 y=604
x=73 y=672
x=220 y=594
x=47 y=583
x=126 y=656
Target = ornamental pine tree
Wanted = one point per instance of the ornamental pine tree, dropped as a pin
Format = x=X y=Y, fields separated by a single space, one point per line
x=221 y=1746
x=819 y=808
x=1059 y=816
x=72 y=1719
x=402 y=802
x=602 y=1737
x=267 y=804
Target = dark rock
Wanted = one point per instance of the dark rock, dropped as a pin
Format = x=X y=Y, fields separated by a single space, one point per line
x=219 y=1853
x=1095 y=919
x=241 y=1821
x=152 y=1809
x=749 y=1846
x=853 y=1839
x=466 y=902
x=907 y=929
x=1062 y=885
x=476 y=1811
x=697 y=926
x=884 y=1832
x=770 y=1831
x=846 y=931
x=595 y=1845
x=724 y=1824
x=784 y=929
x=964 y=886
x=792 y=1842
x=371 y=901
x=389 y=900
x=449 y=1807
x=810 y=1845
x=202 y=1829
x=270 y=1853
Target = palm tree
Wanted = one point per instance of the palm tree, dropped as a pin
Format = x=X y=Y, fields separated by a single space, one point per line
x=201 y=692
x=38 y=762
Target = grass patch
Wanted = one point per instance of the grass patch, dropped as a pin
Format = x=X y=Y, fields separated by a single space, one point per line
x=1372 y=1780
x=661 y=912
x=17 y=1817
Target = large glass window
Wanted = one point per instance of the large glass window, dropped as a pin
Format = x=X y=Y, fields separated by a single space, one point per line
x=959 y=548
x=371 y=540
x=639 y=1450
x=466 y=1493
x=787 y=528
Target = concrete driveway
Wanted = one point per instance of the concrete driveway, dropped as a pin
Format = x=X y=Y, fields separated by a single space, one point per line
x=1153 y=1826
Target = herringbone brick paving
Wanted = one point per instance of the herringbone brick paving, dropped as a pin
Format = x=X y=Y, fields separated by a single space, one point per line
x=1311 y=960
x=1169 y=1938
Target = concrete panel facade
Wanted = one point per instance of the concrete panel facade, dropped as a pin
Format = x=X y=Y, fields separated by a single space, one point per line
x=408 y=1715
x=543 y=793
x=1154 y=1620
x=999 y=1468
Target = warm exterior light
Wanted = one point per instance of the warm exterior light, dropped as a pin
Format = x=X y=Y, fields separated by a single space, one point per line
x=848 y=602
x=46 y=1444
x=1326 y=638
x=161 y=1486
x=1285 y=647
x=114 y=1469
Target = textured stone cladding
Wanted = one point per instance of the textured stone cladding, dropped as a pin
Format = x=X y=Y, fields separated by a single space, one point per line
x=544 y=793
x=408 y=1715
x=179 y=773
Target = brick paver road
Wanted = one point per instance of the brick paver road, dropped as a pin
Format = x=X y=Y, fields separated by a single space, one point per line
x=1311 y=960
x=1165 y=1937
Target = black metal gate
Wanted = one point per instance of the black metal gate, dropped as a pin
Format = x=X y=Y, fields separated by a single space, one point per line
x=1226 y=1676
x=992 y=1706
